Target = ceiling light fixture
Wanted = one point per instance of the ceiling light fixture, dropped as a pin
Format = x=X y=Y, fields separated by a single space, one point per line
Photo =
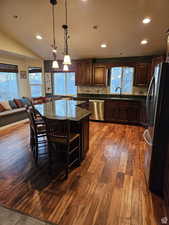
x=103 y=46
x=55 y=63
x=67 y=59
x=146 y=20
x=15 y=17
x=144 y=42
x=39 y=37
x=65 y=67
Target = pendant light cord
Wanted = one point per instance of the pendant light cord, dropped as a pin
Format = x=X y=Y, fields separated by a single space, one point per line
x=53 y=15
x=66 y=12
x=66 y=28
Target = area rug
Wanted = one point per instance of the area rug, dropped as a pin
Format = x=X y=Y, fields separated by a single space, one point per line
x=13 y=217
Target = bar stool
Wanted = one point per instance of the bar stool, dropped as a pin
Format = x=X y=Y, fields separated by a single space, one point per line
x=58 y=133
x=38 y=134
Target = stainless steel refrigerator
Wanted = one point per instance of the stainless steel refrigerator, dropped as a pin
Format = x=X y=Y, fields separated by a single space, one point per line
x=157 y=134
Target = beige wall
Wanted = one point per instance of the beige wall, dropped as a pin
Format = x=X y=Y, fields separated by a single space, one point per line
x=7 y=44
x=12 y=52
x=23 y=65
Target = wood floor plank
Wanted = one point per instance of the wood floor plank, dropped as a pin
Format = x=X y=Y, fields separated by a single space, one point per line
x=109 y=187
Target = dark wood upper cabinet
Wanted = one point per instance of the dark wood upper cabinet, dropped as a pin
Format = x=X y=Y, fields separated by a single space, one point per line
x=100 y=75
x=96 y=74
x=141 y=74
x=89 y=74
x=84 y=71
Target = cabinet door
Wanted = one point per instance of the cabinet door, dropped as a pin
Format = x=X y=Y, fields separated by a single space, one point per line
x=127 y=112
x=111 y=110
x=100 y=74
x=84 y=73
x=133 y=115
x=141 y=74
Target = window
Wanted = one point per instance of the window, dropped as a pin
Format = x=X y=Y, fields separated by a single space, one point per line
x=35 y=81
x=122 y=77
x=8 y=82
x=64 y=83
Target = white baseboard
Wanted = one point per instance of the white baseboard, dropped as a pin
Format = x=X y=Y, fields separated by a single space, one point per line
x=13 y=124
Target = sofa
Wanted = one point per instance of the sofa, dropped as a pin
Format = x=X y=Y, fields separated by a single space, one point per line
x=14 y=110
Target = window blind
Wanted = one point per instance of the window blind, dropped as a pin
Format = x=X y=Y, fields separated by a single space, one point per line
x=8 y=68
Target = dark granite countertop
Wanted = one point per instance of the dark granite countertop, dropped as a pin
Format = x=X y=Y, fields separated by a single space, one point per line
x=112 y=97
x=63 y=109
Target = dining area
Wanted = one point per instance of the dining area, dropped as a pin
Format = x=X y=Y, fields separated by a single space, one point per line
x=59 y=133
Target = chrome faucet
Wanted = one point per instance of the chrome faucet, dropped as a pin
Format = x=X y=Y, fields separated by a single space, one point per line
x=119 y=89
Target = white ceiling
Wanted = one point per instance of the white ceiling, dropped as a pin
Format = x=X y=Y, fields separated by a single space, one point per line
x=119 y=25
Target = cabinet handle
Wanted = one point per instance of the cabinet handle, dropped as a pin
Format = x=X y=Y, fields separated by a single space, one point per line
x=148 y=95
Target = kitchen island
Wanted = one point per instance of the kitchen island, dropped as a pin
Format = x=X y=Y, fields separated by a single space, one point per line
x=70 y=110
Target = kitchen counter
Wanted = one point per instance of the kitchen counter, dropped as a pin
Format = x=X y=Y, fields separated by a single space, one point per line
x=63 y=109
x=111 y=97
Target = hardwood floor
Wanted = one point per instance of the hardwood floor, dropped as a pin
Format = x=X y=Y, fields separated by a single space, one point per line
x=108 y=189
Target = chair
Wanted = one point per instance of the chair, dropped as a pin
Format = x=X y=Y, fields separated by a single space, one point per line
x=38 y=135
x=28 y=103
x=58 y=133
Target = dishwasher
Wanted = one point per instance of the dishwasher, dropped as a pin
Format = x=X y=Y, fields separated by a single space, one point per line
x=97 y=109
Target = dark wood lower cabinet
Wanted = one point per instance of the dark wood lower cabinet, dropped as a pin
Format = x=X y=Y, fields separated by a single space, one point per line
x=84 y=136
x=122 y=111
x=133 y=114
x=82 y=127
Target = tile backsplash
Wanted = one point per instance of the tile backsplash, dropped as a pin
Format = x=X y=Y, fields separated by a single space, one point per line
x=106 y=90
x=92 y=90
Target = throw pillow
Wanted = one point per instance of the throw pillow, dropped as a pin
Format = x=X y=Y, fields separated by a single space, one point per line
x=19 y=103
x=6 y=105
x=2 y=109
x=12 y=104
x=26 y=101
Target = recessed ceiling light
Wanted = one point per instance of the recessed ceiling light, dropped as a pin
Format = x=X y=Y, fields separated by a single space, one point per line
x=95 y=27
x=103 y=46
x=146 y=20
x=39 y=37
x=15 y=16
x=144 y=42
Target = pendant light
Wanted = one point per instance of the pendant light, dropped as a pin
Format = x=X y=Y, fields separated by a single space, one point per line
x=65 y=67
x=55 y=64
x=67 y=59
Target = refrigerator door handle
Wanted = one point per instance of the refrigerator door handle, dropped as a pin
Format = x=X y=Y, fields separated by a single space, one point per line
x=148 y=94
x=145 y=136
